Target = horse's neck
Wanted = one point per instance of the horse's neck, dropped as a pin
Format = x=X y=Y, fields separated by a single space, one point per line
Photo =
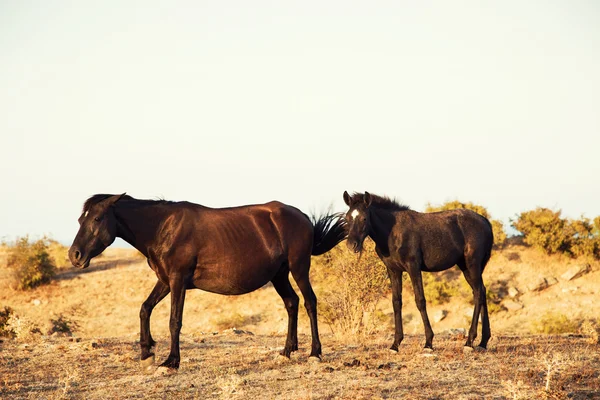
x=138 y=224
x=380 y=227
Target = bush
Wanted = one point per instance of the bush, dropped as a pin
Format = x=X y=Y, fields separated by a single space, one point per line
x=5 y=329
x=439 y=290
x=62 y=325
x=497 y=226
x=548 y=231
x=31 y=263
x=354 y=286
x=555 y=323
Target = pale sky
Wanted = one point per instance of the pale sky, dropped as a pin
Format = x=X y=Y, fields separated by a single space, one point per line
x=227 y=103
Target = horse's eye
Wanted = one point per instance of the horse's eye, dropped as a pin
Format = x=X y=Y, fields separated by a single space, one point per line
x=97 y=219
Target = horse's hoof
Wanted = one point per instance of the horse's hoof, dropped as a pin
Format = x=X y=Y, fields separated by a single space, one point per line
x=467 y=349
x=427 y=350
x=394 y=351
x=480 y=349
x=314 y=359
x=148 y=362
x=163 y=371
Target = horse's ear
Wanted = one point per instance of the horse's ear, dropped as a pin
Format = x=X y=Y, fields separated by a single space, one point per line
x=347 y=198
x=113 y=199
x=368 y=199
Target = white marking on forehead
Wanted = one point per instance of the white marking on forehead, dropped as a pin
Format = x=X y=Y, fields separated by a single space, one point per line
x=86 y=213
x=354 y=213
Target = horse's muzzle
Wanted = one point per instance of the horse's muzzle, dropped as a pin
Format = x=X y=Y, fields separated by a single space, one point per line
x=77 y=259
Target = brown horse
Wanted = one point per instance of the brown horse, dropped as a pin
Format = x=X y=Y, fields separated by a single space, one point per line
x=228 y=251
x=409 y=241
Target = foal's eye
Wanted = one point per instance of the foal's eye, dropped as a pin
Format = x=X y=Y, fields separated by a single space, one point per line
x=97 y=219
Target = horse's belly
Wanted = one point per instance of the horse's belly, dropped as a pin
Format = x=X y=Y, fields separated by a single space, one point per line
x=234 y=277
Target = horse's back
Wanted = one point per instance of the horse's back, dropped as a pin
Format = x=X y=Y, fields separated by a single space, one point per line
x=242 y=248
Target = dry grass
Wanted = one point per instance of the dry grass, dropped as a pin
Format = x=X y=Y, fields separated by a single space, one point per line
x=101 y=360
x=242 y=366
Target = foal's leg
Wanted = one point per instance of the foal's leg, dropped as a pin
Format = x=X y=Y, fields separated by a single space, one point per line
x=300 y=274
x=177 y=299
x=282 y=284
x=472 y=274
x=146 y=342
x=396 y=280
x=417 y=283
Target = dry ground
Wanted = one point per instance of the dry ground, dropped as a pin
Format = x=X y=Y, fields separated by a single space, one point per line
x=247 y=366
x=101 y=360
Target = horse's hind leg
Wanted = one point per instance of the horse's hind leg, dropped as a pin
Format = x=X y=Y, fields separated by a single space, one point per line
x=146 y=342
x=283 y=287
x=300 y=274
x=472 y=272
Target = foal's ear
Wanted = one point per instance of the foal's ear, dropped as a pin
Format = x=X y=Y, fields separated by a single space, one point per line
x=113 y=199
x=347 y=198
x=368 y=199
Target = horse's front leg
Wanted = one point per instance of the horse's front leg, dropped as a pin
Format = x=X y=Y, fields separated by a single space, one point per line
x=177 y=286
x=396 y=281
x=417 y=283
x=146 y=342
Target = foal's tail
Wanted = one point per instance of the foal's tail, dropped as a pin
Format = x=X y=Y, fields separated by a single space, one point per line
x=328 y=230
x=490 y=245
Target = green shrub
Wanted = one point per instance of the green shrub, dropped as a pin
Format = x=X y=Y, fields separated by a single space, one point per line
x=545 y=229
x=499 y=233
x=353 y=287
x=31 y=263
x=497 y=226
x=439 y=290
x=555 y=323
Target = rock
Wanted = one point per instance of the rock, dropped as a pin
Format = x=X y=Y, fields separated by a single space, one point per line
x=538 y=285
x=512 y=305
x=458 y=331
x=513 y=291
x=236 y=331
x=551 y=281
x=36 y=302
x=439 y=315
x=575 y=272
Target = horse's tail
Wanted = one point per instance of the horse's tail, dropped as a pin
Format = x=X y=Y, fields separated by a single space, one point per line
x=488 y=252
x=328 y=231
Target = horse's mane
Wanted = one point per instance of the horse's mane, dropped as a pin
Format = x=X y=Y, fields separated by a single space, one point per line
x=381 y=202
x=97 y=198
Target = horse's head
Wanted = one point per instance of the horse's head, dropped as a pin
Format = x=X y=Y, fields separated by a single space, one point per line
x=97 y=231
x=357 y=219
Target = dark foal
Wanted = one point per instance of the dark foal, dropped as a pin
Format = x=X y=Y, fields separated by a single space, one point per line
x=409 y=241
x=228 y=251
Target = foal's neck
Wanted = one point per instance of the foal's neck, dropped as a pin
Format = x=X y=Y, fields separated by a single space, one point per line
x=380 y=227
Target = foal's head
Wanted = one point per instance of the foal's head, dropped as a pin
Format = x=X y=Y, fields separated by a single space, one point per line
x=357 y=219
x=97 y=230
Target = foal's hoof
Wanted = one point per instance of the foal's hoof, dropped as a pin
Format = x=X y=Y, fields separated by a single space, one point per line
x=467 y=349
x=163 y=371
x=427 y=350
x=314 y=359
x=147 y=363
x=393 y=350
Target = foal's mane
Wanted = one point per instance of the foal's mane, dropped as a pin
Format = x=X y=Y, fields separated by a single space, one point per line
x=97 y=198
x=381 y=202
